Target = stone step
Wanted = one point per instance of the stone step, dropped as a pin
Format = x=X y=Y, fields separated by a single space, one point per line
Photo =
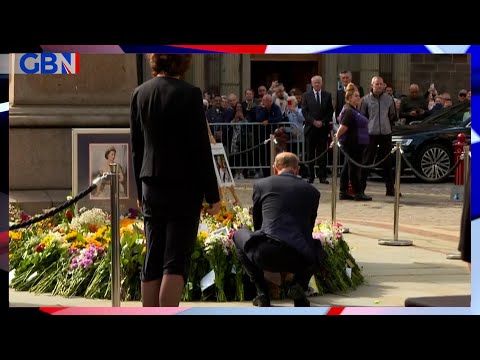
x=34 y=202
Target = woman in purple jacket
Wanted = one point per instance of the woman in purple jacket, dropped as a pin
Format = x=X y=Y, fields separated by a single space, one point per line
x=353 y=136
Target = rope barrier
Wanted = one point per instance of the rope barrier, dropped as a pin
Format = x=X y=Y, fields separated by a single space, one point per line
x=265 y=142
x=372 y=166
x=422 y=177
x=315 y=159
x=62 y=207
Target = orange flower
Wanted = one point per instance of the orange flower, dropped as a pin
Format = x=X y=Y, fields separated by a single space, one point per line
x=126 y=221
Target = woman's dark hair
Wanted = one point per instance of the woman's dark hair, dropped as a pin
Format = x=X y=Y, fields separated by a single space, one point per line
x=170 y=64
x=109 y=150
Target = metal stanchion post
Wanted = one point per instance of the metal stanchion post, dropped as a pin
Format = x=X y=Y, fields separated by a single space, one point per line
x=398 y=169
x=466 y=162
x=334 y=178
x=115 y=242
x=346 y=230
x=466 y=170
x=272 y=154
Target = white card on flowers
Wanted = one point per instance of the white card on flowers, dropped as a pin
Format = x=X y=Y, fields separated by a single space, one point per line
x=207 y=281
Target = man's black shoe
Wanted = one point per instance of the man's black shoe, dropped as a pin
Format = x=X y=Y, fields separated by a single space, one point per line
x=297 y=294
x=261 y=300
x=362 y=197
x=310 y=180
x=345 y=196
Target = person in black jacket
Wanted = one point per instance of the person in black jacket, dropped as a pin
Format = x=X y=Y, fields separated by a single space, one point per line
x=168 y=130
x=284 y=213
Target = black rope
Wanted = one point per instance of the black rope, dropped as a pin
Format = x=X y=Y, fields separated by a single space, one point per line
x=252 y=148
x=62 y=207
x=315 y=159
x=422 y=177
x=372 y=166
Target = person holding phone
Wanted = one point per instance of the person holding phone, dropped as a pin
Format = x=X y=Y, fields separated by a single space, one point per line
x=413 y=107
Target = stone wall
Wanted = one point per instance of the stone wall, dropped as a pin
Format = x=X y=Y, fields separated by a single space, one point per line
x=106 y=79
x=45 y=108
x=449 y=72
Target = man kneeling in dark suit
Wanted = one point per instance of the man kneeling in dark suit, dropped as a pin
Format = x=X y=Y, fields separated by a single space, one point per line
x=284 y=213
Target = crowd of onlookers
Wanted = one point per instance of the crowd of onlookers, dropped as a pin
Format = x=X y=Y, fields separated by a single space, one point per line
x=274 y=104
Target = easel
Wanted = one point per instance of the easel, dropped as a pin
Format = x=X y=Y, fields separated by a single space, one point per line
x=222 y=189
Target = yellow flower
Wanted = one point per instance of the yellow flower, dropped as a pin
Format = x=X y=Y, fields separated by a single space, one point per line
x=77 y=245
x=47 y=240
x=202 y=236
x=144 y=250
x=15 y=235
x=72 y=235
x=99 y=234
x=127 y=229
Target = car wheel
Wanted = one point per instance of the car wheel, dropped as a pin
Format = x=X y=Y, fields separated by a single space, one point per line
x=434 y=162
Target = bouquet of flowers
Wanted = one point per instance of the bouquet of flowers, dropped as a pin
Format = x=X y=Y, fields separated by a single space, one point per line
x=70 y=255
x=340 y=271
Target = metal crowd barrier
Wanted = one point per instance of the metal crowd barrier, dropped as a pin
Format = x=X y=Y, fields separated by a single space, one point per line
x=239 y=137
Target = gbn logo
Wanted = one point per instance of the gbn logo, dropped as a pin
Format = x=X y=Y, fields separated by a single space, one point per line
x=48 y=63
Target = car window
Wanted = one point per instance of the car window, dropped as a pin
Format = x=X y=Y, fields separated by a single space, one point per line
x=453 y=116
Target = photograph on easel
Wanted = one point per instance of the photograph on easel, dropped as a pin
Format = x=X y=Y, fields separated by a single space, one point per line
x=222 y=168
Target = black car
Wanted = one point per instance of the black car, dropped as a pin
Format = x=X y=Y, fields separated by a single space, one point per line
x=428 y=145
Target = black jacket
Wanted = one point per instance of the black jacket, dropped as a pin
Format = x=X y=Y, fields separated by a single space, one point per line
x=311 y=111
x=169 y=139
x=285 y=208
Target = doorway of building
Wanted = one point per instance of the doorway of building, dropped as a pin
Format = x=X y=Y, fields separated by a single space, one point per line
x=292 y=74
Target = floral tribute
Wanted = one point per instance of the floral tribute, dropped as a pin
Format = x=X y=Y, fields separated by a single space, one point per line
x=70 y=255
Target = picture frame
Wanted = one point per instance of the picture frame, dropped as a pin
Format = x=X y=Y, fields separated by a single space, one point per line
x=222 y=168
x=92 y=151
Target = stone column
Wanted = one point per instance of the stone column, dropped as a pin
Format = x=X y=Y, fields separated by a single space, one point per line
x=401 y=73
x=198 y=71
x=369 y=67
x=386 y=67
x=212 y=68
x=330 y=77
x=246 y=74
x=230 y=74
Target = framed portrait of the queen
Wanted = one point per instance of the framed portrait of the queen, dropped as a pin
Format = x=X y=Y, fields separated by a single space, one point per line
x=93 y=150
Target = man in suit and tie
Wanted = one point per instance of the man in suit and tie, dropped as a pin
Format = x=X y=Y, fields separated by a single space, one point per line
x=317 y=108
x=284 y=214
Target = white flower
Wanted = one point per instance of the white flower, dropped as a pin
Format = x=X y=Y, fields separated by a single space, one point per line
x=69 y=198
x=93 y=216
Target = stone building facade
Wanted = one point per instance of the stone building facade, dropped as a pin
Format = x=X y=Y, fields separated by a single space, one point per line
x=45 y=108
